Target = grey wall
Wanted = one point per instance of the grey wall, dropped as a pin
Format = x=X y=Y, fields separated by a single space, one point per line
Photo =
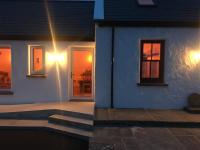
x=103 y=66
x=34 y=90
x=181 y=74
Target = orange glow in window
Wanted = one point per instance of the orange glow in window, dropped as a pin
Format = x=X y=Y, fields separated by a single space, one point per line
x=151 y=58
x=37 y=59
x=5 y=68
x=146 y=69
x=147 y=51
x=156 y=51
x=154 y=69
x=82 y=73
x=89 y=58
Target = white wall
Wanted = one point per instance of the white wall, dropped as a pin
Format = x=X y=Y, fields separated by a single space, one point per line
x=34 y=90
x=181 y=74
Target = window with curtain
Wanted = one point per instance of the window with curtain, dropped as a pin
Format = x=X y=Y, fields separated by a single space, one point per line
x=152 y=61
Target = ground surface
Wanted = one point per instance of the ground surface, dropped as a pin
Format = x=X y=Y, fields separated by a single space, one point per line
x=145 y=115
x=151 y=138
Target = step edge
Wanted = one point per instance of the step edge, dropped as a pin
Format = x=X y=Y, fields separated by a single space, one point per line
x=72 y=119
x=75 y=125
x=71 y=131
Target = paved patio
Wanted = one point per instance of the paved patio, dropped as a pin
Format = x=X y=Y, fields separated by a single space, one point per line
x=81 y=107
x=137 y=138
x=142 y=116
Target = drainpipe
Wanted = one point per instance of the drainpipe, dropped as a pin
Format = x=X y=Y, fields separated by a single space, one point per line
x=112 y=65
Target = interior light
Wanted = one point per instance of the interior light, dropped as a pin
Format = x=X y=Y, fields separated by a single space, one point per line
x=89 y=58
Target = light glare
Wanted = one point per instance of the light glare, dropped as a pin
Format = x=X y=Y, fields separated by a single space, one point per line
x=56 y=58
x=194 y=57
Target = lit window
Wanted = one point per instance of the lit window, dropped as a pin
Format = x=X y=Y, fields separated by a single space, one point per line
x=5 y=68
x=152 y=61
x=37 y=60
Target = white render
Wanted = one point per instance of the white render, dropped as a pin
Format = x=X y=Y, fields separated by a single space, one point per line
x=39 y=90
x=181 y=74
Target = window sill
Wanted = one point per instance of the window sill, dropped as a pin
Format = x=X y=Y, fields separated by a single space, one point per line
x=152 y=84
x=6 y=92
x=36 y=76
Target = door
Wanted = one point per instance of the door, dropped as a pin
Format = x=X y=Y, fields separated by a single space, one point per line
x=82 y=73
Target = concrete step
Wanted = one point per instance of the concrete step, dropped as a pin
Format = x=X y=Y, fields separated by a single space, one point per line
x=75 y=122
x=70 y=131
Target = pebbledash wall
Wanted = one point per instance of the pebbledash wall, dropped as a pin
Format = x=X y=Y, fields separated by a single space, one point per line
x=181 y=73
x=38 y=90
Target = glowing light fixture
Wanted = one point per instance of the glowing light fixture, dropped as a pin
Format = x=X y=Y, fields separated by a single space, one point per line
x=194 y=57
x=89 y=58
x=56 y=58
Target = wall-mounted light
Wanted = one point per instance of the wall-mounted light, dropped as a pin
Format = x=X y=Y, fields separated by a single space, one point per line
x=194 y=57
x=56 y=57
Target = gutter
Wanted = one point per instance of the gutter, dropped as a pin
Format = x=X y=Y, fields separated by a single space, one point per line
x=112 y=66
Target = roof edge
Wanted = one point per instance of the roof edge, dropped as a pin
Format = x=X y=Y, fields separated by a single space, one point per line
x=46 y=38
x=101 y=22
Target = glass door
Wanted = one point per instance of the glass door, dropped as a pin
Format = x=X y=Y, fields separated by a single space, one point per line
x=82 y=73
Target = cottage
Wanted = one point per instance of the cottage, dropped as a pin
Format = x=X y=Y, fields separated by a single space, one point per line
x=147 y=53
x=118 y=53
x=46 y=51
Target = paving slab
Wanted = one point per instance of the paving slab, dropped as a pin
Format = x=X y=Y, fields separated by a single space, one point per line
x=145 y=117
x=157 y=139
x=183 y=131
x=122 y=114
x=146 y=138
x=130 y=143
x=173 y=116
x=189 y=142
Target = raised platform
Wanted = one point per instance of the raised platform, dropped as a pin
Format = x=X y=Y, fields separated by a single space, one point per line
x=71 y=118
x=43 y=110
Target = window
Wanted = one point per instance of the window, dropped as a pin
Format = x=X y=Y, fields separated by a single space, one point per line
x=37 y=60
x=5 y=67
x=152 y=61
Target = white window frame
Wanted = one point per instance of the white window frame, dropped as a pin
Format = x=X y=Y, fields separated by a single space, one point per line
x=31 y=60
